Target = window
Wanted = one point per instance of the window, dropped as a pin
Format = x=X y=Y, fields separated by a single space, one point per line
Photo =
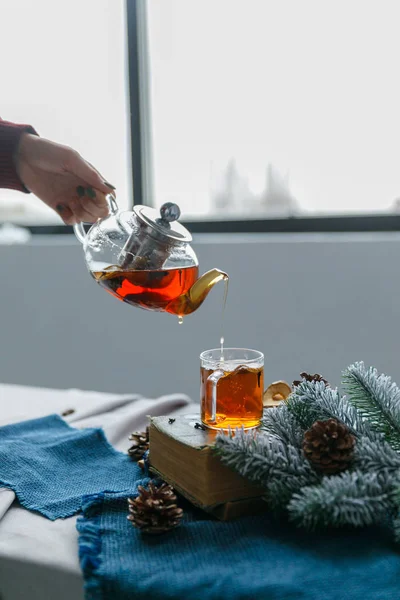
x=274 y=108
x=240 y=109
x=63 y=70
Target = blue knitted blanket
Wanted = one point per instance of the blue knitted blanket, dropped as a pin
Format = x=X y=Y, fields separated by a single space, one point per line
x=57 y=471
x=51 y=466
x=248 y=559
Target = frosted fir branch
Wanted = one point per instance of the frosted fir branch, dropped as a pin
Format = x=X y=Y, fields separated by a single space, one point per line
x=378 y=457
x=267 y=461
x=281 y=423
x=352 y=498
x=396 y=527
x=311 y=401
x=377 y=398
x=396 y=520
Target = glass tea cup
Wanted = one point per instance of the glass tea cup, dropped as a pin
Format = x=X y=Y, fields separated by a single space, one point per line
x=231 y=389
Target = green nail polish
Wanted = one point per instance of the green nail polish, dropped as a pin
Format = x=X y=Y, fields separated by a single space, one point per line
x=90 y=192
x=112 y=187
x=80 y=191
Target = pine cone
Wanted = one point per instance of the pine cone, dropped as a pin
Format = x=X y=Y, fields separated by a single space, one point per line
x=307 y=377
x=154 y=510
x=329 y=446
x=140 y=444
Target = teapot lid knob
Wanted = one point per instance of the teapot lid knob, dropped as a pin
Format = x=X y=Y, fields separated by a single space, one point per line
x=169 y=212
x=164 y=222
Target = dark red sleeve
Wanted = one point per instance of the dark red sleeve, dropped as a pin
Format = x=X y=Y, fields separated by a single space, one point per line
x=10 y=135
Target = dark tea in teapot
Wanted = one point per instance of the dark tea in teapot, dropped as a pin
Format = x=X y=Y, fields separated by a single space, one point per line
x=152 y=290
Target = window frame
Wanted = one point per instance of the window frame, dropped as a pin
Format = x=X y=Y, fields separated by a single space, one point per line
x=348 y=224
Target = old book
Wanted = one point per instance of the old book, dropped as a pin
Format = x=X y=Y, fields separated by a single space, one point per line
x=182 y=455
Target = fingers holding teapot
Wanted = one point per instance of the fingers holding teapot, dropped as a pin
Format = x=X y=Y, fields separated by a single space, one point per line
x=84 y=204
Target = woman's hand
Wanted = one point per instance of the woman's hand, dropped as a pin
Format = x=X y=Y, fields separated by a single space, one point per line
x=61 y=178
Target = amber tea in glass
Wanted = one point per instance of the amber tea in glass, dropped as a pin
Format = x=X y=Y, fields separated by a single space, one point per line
x=232 y=385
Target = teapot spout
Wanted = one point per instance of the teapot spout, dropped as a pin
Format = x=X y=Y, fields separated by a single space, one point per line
x=195 y=296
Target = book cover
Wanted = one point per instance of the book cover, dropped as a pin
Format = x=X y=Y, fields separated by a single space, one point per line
x=181 y=454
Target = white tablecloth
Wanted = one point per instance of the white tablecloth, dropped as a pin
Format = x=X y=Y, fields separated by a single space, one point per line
x=39 y=558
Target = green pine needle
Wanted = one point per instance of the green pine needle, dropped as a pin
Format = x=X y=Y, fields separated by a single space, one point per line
x=376 y=457
x=396 y=518
x=282 y=424
x=267 y=461
x=396 y=527
x=377 y=398
x=354 y=499
x=313 y=400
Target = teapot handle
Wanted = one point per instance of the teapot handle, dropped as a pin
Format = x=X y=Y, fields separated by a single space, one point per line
x=79 y=230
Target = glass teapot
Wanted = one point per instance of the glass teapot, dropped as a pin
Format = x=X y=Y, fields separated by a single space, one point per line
x=144 y=258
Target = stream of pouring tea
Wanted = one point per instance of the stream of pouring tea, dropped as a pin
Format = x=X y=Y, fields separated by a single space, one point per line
x=222 y=339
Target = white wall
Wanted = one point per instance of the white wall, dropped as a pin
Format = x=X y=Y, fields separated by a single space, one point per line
x=309 y=302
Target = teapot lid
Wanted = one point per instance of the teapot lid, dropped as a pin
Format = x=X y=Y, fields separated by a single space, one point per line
x=165 y=222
